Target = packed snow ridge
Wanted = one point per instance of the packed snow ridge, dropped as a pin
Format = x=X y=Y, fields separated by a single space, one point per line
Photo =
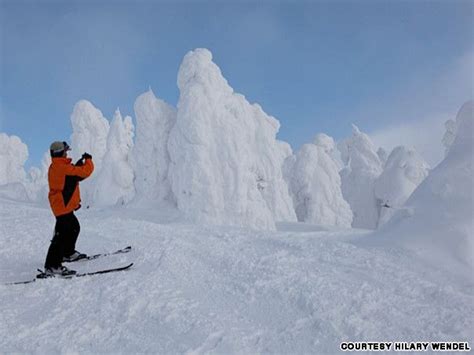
x=216 y=159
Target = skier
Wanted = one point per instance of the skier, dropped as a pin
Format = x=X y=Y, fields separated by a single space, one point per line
x=64 y=198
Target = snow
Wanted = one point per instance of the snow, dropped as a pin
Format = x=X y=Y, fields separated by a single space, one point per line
x=226 y=164
x=90 y=130
x=206 y=195
x=437 y=223
x=362 y=168
x=115 y=181
x=315 y=185
x=404 y=170
x=13 y=155
x=382 y=154
x=150 y=158
x=449 y=135
x=37 y=181
x=196 y=289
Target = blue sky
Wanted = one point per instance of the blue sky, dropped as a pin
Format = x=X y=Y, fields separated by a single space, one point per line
x=391 y=67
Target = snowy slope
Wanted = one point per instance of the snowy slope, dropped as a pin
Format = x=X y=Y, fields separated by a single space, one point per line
x=219 y=290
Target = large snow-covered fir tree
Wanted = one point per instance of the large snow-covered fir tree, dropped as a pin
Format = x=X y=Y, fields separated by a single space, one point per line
x=439 y=225
x=37 y=182
x=150 y=158
x=404 y=170
x=225 y=159
x=315 y=184
x=13 y=155
x=363 y=166
x=114 y=182
x=89 y=134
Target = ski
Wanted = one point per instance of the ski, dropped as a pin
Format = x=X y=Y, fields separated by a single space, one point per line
x=42 y=275
x=96 y=256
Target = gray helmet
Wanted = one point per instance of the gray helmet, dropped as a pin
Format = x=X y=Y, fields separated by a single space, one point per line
x=58 y=148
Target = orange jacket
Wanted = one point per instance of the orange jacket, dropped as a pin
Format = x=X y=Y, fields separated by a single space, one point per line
x=63 y=177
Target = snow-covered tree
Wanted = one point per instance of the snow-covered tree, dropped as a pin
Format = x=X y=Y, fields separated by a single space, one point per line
x=363 y=167
x=150 y=157
x=404 y=170
x=315 y=185
x=449 y=135
x=37 y=181
x=90 y=130
x=114 y=182
x=226 y=164
x=13 y=155
x=440 y=225
x=382 y=154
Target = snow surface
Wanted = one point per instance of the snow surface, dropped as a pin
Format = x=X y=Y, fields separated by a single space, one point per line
x=363 y=167
x=226 y=164
x=315 y=185
x=404 y=170
x=437 y=222
x=200 y=290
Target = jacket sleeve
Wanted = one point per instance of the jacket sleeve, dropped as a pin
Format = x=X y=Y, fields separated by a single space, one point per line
x=82 y=171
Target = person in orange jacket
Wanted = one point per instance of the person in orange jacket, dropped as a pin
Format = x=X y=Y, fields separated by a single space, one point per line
x=64 y=198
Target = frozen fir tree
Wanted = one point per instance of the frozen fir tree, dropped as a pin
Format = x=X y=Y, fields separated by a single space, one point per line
x=449 y=135
x=440 y=225
x=404 y=170
x=13 y=155
x=114 y=183
x=37 y=181
x=382 y=154
x=90 y=130
x=362 y=168
x=315 y=185
x=226 y=164
x=150 y=158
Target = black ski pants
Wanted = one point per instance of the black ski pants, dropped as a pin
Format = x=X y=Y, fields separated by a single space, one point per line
x=64 y=240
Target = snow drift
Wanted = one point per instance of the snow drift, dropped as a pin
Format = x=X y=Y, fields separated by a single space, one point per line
x=439 y=225
x=315 y=185
x=225 y=160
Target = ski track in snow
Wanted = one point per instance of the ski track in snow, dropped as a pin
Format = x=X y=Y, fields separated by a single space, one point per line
x=198 y=290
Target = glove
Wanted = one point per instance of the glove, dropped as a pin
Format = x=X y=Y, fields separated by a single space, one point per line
x=80 y=162
x=86 y=156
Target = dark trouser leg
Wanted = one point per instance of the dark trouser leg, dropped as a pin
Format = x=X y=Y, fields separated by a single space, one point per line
x=71 y=237
x=66 y=232
x=56 y=249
